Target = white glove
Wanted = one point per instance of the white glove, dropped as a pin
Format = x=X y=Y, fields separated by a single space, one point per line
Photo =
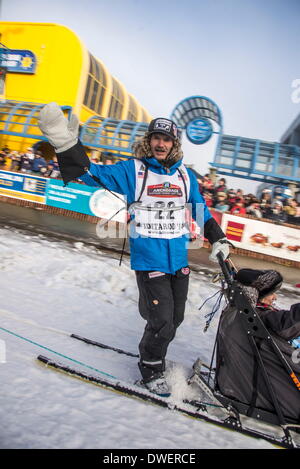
x=221 y=246
x=61 y=133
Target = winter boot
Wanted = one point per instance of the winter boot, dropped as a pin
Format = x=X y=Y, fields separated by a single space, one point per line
x=158 y=385
x=153 y=378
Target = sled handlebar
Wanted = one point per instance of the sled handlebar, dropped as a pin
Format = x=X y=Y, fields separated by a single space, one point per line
x=226 y=270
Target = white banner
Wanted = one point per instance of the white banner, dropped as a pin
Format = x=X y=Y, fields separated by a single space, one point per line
x=266 y=238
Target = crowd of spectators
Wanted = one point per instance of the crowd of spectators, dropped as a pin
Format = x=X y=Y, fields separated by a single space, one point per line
x=30 y=162
x=217 y=195
x=279 y=208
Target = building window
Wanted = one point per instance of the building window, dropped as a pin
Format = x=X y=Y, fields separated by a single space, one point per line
x=144 y=116
x=132 y=110
x=117 y=101
x=96 y=86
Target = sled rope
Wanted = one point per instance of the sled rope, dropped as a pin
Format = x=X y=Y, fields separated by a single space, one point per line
x=57 y=353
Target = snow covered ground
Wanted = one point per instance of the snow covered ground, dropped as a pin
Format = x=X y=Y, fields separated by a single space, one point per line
x=50 y=289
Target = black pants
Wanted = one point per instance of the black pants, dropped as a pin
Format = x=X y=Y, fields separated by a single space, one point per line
x=161 y=303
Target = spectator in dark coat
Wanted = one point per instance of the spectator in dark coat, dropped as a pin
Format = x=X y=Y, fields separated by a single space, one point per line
x=26 y=164
x=2 y=159
x=220 y=186
x=38 y=163
x=15 y=161
x=254 y=209
x=276 y=212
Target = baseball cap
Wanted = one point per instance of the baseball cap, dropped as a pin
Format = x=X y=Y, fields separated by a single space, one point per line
x=164 y=126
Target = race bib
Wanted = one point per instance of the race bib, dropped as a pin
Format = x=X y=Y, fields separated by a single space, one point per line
x=161 y=208
x=160 y=220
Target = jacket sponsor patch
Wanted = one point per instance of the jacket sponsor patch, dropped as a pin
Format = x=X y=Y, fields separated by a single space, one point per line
x=185 y=270
x=164 y=190
x=155 y=273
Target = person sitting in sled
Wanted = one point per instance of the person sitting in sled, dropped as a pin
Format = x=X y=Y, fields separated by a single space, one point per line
x=236 y=374
x=159 y=181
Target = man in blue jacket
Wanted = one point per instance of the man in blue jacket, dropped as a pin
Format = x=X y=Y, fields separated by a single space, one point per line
x=38 y=163
x=158 y=188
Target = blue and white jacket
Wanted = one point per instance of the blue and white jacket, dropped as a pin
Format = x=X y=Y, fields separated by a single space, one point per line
x=147 y=253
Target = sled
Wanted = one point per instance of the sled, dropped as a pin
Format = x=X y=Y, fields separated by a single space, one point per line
x=254 y=329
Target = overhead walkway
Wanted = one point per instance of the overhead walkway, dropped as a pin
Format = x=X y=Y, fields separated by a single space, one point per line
x=257 y=160
x=19 y=118
x=112 y=134
x=247 y=158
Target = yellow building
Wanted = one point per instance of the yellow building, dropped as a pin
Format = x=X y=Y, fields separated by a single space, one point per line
x=48 y=62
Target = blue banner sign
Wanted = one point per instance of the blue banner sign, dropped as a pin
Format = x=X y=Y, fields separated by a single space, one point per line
x=73 y=197
x=80 y=198
x=85 y=199
x=18 y=60
x=23 y=186
x=199 y=130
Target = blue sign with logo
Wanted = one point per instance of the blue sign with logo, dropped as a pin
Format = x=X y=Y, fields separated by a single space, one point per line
x=199 y=130
x=89 y=200
x=18 y=60
x=23 y=186
x=75 y=197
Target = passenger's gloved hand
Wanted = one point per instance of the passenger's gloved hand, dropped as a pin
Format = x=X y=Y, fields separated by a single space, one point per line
x=61 y=133
x=221 y=246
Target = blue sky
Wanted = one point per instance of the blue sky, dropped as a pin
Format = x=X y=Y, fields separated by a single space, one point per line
x=243 y=54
